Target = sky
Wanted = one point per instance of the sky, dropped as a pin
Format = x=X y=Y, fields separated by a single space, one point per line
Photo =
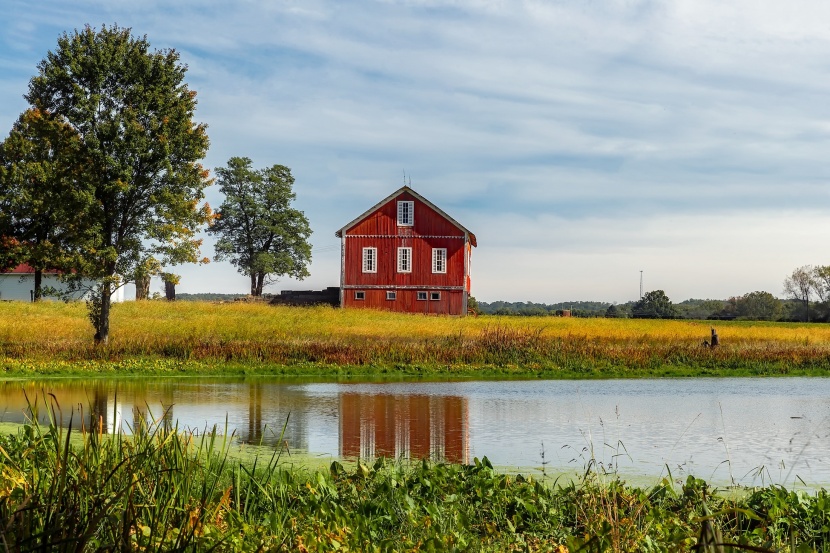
x=582 y=141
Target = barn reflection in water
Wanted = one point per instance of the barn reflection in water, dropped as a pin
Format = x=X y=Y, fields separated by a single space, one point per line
x=365 y=425
x=404 y=426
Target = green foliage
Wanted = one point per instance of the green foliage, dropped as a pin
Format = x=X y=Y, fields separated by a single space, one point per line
x=531 y=309
x=40 y=207
x=162 y=489
x=799 y=286
x=654 y=305
x=699 y=308
x=758 y=306
x=137 y=176
x=259 y=232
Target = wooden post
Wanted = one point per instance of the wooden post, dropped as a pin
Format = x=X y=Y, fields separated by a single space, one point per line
x=170 y=290
x=170 y=282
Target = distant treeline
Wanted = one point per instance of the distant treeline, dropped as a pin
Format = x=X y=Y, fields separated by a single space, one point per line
x=208 y=296
x=742 y=307
x=751 y=306
x=532 y=309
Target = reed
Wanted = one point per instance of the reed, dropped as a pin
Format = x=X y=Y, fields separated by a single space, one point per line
x=42 y=337
x=164 y=489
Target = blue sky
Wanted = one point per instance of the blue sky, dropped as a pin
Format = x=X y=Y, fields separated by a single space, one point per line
x=582 y=141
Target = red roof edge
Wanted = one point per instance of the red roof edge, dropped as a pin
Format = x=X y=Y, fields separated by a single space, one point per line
x=25 y=269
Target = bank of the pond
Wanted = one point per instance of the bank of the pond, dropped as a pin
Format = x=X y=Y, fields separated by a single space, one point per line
x=144 y=366
x=156 y=338
x=164 y=490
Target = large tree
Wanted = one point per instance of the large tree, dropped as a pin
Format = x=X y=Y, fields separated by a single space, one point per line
x=258 y=230
x=41 y=197
x=133 y=114
x=654 y=305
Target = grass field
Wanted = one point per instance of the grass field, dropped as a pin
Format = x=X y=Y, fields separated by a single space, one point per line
x=157 y=337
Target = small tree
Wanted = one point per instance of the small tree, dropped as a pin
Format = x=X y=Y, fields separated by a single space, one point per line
x=799 y=286
x=654 y=305
x=758 y=306
x=821 y=286
x=612 y=312
x=40 y=198
x=259 y=232
x=138 y=163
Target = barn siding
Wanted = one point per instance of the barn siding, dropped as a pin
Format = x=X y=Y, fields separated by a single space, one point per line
x=379 y=229
x=387 y=262
x=383 y=221
x=451 y=302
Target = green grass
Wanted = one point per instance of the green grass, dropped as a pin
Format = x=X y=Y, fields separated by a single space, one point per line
x=157 y=338
x=166 y=490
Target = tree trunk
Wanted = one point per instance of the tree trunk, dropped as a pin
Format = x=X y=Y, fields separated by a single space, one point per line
x=253 y=284
x=38 y=284
x=102 y=333
x=142 y=287
x=260 y=279
x=170 y=290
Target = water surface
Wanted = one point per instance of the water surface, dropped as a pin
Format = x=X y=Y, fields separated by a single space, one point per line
x=746 y=430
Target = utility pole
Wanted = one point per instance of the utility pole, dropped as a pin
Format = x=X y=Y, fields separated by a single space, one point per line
x=641 y=284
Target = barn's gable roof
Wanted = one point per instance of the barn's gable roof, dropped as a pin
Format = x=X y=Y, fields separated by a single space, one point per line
x=25 y=269
x=420 y=198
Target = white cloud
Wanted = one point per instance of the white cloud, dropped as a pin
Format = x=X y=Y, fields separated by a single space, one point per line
x=576 y=138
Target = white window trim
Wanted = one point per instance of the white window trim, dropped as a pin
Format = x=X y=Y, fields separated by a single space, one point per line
x=439 y=260
x=408 y=252
x=419 y=298
x=404 y=221
x=434 y=296
x=370 y=260
x=391 y=295
x=359 y=295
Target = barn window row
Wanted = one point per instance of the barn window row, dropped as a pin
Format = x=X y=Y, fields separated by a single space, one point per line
x=439 y=260
x=392 y=295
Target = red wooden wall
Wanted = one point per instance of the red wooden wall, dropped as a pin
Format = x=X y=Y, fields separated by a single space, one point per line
x=379 y=230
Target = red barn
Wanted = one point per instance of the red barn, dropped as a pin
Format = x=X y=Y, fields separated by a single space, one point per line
x=406 y=254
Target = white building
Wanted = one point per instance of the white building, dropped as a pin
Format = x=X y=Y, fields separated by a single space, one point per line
x=18 y=284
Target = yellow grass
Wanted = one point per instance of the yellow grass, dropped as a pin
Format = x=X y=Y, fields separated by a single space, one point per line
x=263 y=333
x=151 y=321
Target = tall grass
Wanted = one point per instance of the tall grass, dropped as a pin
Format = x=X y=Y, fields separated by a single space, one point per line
x=262 y=334
x=162 y=489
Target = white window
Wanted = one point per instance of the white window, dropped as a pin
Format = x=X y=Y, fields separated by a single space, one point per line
x=391 y=295
x=404 y=260
x=360 y=295
x=439 y=260
x=435 y=296
x=370 y=260
x=406 y=214
x=422 y=296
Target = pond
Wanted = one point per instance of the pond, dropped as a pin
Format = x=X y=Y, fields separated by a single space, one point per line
x=742 y=430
